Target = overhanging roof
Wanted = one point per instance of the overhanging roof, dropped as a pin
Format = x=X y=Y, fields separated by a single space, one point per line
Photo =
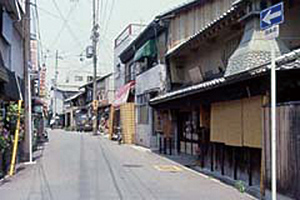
x=285 y=62
x=74 y=96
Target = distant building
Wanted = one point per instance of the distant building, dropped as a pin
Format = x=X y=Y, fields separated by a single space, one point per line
x=68 y=85
x=80 y=103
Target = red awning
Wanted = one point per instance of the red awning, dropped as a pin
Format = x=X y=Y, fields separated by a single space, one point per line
x=123 y=94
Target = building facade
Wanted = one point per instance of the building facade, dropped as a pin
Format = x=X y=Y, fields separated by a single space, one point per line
x=12 y=49
x=216 y=107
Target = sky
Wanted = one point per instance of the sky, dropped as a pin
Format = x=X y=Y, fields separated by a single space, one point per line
x=65 y=25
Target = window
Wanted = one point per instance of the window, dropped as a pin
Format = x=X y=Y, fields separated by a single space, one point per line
x=130 y=72
x=78 y=78
x=89 y=78
x=118 y=71
x=143 y=108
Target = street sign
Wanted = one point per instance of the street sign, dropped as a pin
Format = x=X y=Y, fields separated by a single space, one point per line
x=272 y=16
x=95 y=105
x=270 y=19
x=272 y=32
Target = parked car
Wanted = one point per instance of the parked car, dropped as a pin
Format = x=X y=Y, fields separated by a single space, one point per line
x=83 y=123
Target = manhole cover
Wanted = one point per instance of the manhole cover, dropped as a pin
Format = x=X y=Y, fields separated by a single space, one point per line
x=132 y=165
x=168 y=168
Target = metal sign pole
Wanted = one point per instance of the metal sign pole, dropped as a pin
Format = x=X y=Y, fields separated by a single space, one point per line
x=273 y=121
x=270 y=19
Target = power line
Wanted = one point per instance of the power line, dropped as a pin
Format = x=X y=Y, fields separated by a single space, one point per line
x=67 y=24
x=64 y=24
x=109 y=17
x=46 y=11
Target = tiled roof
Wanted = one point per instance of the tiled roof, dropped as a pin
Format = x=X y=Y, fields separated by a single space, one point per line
x=178 y=7
x=74 y=96
x=190 y=89
x=285 y=62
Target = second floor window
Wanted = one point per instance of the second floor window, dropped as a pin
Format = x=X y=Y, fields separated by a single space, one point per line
x=78 y=78
x=89 y=78
x=130 y=72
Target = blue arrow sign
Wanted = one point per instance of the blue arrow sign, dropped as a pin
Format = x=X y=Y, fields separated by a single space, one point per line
x=272 y=16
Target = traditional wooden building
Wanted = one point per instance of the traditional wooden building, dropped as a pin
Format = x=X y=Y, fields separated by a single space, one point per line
x=219 y=88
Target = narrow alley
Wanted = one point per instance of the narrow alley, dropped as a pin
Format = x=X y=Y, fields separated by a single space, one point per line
x=81 y=166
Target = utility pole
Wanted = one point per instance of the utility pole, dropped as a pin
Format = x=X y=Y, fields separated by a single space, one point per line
x=55 y=84
x=27 y=102
x=95 y=36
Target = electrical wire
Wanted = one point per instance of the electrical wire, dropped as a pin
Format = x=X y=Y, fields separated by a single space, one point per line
x=109 y=17
x=56 y=39
x=67 y=24
x=39 y=34
x=46 y=11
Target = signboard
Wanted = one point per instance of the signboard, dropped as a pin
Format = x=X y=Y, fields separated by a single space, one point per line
x=271 y=33
x=272 y=16
x=95 y=105
x=43 y=81
x=34 y=54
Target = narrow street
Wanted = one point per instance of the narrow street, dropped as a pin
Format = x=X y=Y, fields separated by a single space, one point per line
x=80 y=166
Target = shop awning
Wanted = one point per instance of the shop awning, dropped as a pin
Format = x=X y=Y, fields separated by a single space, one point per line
x=123 y=94
x=12 y=90
x=147 y=50
x=3 y=74
x=3 y=71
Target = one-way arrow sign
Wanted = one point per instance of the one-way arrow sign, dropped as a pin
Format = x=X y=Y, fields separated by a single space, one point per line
x=271 y=16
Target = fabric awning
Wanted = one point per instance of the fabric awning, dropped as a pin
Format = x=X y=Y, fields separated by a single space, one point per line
x=3 y=71
x=123 y=94
x=12 y=90
x=147 y=50
x=3 y=75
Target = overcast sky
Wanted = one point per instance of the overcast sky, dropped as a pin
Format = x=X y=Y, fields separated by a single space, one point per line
x=67 y=28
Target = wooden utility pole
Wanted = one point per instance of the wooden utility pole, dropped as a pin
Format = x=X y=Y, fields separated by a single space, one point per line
x=55 y=84
x=27 y=102
x=95 y=41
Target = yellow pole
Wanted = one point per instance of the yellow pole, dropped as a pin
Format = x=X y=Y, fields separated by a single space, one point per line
x=13 y=159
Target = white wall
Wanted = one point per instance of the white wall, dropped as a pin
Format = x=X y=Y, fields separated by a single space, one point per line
x=145 y=82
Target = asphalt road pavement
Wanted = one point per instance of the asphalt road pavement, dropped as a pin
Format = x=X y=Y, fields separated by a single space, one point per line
x=79 y=166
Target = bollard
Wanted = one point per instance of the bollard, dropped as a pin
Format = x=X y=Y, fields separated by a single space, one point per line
x=170 y=145
x=165 y=145
x=160 y=147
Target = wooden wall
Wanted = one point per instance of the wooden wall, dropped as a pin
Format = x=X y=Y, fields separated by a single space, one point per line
x=188 y=23
x=288 y=149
